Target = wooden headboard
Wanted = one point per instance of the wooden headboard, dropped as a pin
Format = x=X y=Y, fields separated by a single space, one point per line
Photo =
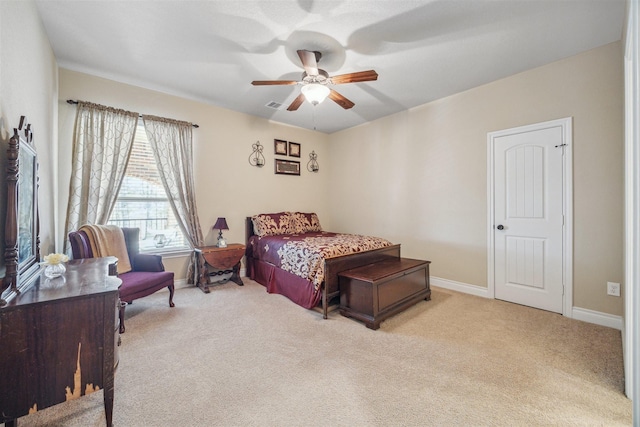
x=248 y=227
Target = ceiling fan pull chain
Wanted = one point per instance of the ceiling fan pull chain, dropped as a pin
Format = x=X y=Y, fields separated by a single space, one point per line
x=313 y=114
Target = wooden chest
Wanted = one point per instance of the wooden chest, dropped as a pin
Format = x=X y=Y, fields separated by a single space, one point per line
x=375 y=292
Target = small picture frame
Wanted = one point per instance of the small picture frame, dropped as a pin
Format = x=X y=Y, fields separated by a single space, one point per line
x=280 y=147
x=294 y=149
x=287 y=167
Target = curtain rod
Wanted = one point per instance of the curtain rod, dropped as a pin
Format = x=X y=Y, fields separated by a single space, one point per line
x=71 y=101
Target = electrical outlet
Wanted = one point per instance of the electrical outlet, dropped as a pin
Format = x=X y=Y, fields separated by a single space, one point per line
x=613 y=289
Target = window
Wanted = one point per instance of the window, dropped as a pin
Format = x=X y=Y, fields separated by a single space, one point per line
x=143 y=203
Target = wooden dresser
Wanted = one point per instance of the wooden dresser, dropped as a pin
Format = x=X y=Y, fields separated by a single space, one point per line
x=59 y=340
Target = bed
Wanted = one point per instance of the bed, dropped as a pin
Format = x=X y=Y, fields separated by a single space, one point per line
x=290 y=254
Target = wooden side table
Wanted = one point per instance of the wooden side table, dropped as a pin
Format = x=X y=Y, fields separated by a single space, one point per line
x=225 y=259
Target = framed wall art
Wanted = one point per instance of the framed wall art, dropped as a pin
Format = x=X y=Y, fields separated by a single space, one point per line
x=294 y=149
x=287 y=167
x=280 y=147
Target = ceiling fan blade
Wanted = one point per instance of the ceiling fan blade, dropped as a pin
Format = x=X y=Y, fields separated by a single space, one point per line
x=309 y=62
x=361 y=76
x=340 y=100
x=273 y=82
x=296 y=103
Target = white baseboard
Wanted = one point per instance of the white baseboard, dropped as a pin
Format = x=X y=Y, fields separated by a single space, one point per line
x=181 y=283
x=583 y=314
x=460 y=287
x=597 y=317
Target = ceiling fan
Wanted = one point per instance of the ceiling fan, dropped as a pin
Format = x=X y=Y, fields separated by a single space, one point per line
x=315 y=82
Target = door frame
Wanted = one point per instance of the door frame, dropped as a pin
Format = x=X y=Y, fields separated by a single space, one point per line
x=631 y=330
x=567 y=205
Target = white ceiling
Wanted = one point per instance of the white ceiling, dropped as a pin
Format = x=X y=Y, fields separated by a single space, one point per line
x=210 y=51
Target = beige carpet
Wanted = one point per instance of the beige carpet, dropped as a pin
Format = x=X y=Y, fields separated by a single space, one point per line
x=241 y=357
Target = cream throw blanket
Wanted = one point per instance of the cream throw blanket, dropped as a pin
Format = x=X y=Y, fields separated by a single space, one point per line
x=108 y=240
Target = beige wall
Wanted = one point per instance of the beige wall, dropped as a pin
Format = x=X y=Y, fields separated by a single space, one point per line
x=226 y=185
x=419 y=177
x=28 y=87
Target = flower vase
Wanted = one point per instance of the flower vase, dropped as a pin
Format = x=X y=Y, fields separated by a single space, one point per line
x=54 y=270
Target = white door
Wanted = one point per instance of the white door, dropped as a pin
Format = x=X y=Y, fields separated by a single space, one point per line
x=528 y=217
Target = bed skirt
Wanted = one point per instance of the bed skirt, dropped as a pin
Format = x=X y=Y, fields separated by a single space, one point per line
x=278 y=281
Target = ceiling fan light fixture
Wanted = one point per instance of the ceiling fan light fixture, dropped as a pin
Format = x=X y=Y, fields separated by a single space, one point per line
x=315 y=93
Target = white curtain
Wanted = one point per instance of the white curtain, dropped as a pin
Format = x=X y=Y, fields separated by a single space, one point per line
x=171 y=143
x=102 y=142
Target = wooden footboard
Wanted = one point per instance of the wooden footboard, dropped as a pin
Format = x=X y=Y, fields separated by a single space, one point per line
x=333 y=266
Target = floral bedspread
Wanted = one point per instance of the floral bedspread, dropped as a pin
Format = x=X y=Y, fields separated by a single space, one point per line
x=304 y=254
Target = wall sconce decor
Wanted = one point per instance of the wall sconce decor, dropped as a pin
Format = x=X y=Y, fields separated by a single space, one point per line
x=256 y=158
x=221 y=224
x=312 y=165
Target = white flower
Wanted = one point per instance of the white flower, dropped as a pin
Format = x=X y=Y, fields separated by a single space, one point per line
x=54 y=259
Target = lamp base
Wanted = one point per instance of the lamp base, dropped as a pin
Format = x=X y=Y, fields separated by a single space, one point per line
x=221 y=242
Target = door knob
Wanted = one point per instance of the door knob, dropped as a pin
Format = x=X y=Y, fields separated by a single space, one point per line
x=500 y=227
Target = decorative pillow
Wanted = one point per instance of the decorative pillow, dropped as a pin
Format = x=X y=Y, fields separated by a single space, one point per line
x=315 y=223
x=305 y=222
x=272 y=224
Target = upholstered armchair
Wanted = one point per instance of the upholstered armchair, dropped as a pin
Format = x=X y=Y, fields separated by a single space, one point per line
x=146 y=277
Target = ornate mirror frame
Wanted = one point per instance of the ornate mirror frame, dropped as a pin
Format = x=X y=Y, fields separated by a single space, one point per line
x=22 y=240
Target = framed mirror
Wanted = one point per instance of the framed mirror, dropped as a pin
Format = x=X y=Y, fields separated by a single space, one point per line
x=22 y=241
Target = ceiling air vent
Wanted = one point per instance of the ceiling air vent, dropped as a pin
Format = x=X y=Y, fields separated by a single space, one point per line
x=275 y=105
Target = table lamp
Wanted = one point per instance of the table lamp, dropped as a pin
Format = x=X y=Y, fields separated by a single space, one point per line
x=221 y=224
